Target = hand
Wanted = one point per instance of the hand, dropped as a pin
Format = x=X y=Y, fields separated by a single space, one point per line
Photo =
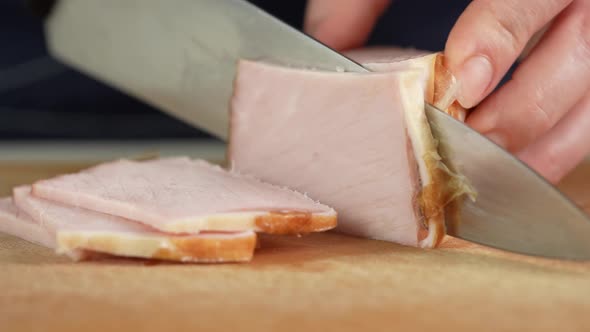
x=343 y=24
x=543 y=114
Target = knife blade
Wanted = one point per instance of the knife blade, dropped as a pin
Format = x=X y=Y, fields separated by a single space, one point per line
x=181 y=56
x=515 y=208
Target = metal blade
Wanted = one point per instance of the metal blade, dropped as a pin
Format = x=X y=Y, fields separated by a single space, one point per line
x=179 y=55
x=515 y=208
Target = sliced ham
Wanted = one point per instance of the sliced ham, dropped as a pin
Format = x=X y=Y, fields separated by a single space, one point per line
x=360 y=143
x=180 y=195
x=17 y=223
x=76 y=229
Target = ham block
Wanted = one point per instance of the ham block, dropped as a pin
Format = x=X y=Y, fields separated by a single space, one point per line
x=340 y=137
x=441 y=87
x=16 y=223
x=180 y=195
x=76 y=229
x=360 y=143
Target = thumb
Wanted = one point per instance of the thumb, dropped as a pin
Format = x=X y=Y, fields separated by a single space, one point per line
x=487 y=39
x=343 y=24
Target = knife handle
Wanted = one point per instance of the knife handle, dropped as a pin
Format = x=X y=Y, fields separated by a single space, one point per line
x=40 y=8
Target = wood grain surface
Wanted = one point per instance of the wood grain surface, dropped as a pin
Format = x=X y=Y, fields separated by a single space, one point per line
x=321 y=282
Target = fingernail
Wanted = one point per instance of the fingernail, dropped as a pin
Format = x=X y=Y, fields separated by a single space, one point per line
x=497 y=138
x=474 y=77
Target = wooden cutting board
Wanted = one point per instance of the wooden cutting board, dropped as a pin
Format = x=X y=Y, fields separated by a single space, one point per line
x=321 y=282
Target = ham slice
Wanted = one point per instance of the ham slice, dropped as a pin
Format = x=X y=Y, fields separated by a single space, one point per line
x=16 y=223
x=75 y=230
x=180 y=195
x=360 y=143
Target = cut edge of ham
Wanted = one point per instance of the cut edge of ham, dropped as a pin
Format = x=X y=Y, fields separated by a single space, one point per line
x=201 y=248
x=440 y=186
x=137 y=241
x=268 y=222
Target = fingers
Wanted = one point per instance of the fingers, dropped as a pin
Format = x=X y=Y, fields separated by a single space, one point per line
x=343 y=24
x=554 y=78
x=488 y=38
x=564 y=147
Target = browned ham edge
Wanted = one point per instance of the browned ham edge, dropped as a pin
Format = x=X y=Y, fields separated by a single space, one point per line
x=195 y=249
x=293 y=222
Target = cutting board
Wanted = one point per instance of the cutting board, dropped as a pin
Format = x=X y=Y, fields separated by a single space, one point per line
x=320 y=282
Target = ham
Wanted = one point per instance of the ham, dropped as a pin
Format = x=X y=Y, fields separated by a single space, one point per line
x=360 y=143
x=16 y=223
x=440 y=88
x=73 y=230
x=180 y=195
x=440 y=187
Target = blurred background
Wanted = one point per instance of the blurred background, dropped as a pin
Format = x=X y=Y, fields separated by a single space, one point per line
x=44 y=102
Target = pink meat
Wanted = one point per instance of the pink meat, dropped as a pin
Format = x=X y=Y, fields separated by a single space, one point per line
x=180 y=195
x=441 y=88
x=75 y=229
x=340 y=137
x=20 y=224
x=57 y=217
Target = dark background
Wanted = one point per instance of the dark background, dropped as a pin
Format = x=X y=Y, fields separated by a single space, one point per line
x=40 y=98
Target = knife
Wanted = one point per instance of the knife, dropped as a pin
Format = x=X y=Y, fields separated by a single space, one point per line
x=180 y=56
